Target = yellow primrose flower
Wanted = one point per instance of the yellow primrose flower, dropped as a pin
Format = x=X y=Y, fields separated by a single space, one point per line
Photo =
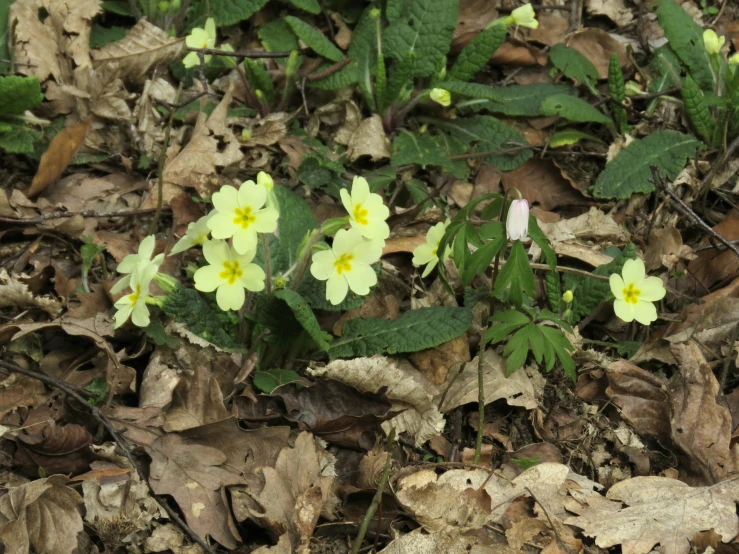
x=269 y=183
x=367 y=212
x=228 y=274
x=635 y=293
x=241 y=215
x=524 y=16
x=200 y=38
x=134 y=305
x=441 y=96
x=196 y=234
x=141 y=259
x=347 y=265
x=712 y=41
x=427 y=253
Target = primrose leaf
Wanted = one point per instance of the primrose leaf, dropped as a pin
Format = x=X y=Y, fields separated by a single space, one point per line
x=574 y=65
x=19 y=94
x=229 y=12
x=573 y=108
x=302 y=312
x=314 y=38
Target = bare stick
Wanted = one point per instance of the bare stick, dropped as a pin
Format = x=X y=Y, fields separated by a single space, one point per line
x=83 y=213
x=241 y=55
x=105 y=422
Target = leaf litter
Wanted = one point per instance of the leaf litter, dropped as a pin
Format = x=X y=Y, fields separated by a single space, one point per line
x=281 y=448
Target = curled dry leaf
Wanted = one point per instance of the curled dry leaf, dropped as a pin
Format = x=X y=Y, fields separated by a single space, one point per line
x=642 y=512
x=411 y=393
x=15 y=293
x=197 y=401
x=419 y=542
x=41 y=516
x=369 y=139
x=60 y=152
x=542 y=183
x=62 y=449
x=597 y=45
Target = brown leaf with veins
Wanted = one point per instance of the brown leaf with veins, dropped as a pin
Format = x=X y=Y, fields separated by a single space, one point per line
x=641 y=512
x=194 y=475
x=60 y=152
x=597 y=46
x=54 y=448
x=42 y=515
x=197 y=401
x=541 y=182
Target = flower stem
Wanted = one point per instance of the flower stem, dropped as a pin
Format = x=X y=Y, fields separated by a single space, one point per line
x=267 y=263
x=302 y=264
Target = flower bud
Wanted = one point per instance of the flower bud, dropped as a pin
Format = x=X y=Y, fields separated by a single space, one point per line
x=517 y=222
x=245 y=135
x=292 y=63
x=441 y=96
x=712 y=41
x=524 y=16
x=265 y=179
x=567 y=297
x=280 y=282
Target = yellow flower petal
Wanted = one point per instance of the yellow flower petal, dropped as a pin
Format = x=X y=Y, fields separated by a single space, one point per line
x=617 y=285
x=652 y=289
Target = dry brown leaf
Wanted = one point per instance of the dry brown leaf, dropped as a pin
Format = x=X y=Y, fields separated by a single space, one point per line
x=60 y=152
x=144 y=47
x=420 y=542
x=541 y=183
x=641 y=512
x=516 y=389
x=369 y=139
x=194 y=475
x=615 y=10
x=269 y=130
x=282 y=547
x=712 y=266
x=597 y=46
x=700 y=427
x=474 y=16
x=591 y=226
x=435 y=363
x=518 y=53
x=15 y=293
x=642 y=398
x=665 y=248
x=197 y=400
x=552 y=29
x=168 y=537
x=410 y=392
x=41 y=516
x=295 y=493
x=19 y=391
x=403 y=244
x=62 y=449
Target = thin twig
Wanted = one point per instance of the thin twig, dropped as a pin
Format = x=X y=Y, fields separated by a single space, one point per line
x=105 y=422
x=561 y=543
x=575 y=271
x=84 y=213
x=240 y=55
x=378 y=495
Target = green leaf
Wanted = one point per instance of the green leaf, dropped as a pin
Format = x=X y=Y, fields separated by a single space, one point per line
x=617 y=90
x=296 y=220
x=413 y=331
x=697 y=109
x=516 y=100
x=629 y=172
x=20 y=139
x=305 y=317
x=588 y=292
x=201 y=317
x=19 y=94
x=395 y=9
x=230 y=12
x=685 y=38
x=517 y=273
x=269 y=380
x=574 y=65
x=155 y=331
x=314 y=39
x=487 y=133
x=311 y=6
x=100 y=36
x=414 y=148
x=317 y=172
x=546 y=343
x=119 y=7
x=424 y=36
x=401 y=77
x=562 y=349
x=553 y=288
x=276 y=36
x=88 y=251
x=4 y=11
x=664 y=67
x=505 y=323
x=259 y=79
x=569 y=137
x=573 y=108
x=477 y=53
x=314 y=292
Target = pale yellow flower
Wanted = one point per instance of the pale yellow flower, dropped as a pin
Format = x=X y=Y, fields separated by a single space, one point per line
x=635 y=293
x=367 y=212
x=141 y=259
x=196 y=234
x=712 y=41
x=200 y=38
x=266 y=180
x=428 y=253
x=228 y=274
x=241 y=214
x=347 y=265
x=441 y=96
x=567 y=297
x=524 y=16
x=734 y=59
x=134 y=305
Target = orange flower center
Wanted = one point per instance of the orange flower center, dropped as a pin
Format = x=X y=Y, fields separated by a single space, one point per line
x=342 y=264
x=360 y=215
x=231 y=272
x=631 y=294
x=244 y=217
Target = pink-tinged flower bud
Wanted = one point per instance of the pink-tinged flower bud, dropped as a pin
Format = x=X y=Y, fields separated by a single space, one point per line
x=517 y=222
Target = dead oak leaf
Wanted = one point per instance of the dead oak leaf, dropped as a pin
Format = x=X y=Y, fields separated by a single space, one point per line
x=197 y=401
x=60 y=152
x=193 y=475
x=41 y=516
x=641 y=512
x=15 y=293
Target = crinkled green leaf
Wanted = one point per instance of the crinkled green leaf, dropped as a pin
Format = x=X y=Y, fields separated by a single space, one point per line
x=155 y=331
x=569 y=137
x=424 y=36
x=451 y=146
x=314 y=292
x=230 y=12
x=19 y=139
x=574 y=65
x=303 y=313
x=664 y=68
x=401 y=77
x=414 y=148
x=629 y=172
x=413 y=331
x=259 y=79
x=587 y=292
x=685 y=38
x=276 y=36
x=395 y=9
x=269 y=380
x=697 y=109
x=18 y=94
x=478 y=52
x=201 y=317
x=553 y=288
x=573 y=108
x=311 y=6
x=516 y=100
x=486 y=133
x=314 y=39
x=617 y=90
x=296 y=220
x=100 y=36
x=317 y=171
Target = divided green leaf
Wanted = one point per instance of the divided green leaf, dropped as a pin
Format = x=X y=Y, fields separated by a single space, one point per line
x=516 y=273
x=630 y=172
